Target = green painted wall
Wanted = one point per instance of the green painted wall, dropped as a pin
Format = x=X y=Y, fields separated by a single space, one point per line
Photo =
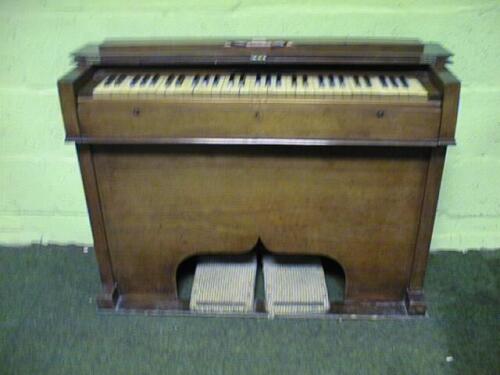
x=41 y=196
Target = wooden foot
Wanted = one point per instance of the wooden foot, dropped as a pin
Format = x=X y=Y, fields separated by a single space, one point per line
x=108 y=298
x=415 y=302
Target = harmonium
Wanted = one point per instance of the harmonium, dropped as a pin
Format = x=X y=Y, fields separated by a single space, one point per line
x=261 y=177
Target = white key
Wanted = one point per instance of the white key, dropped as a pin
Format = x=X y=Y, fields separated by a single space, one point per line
x=135 y=87
x=204 y=86
x=241 y=82
x=160 y=86
x=280 y=87
x=267 y=82
x=170 y=83
x=151 y=86
x=361 y=88
x=302 y=85
x=294 y=84
x=288 y=88
x=230 y=85
x=381 y=91
x=144 y=84
x=343 y=86
x=103 y=88
x=276 y=87
x=330 y=84
x=416 y=89
x=217 y=83
x=187 y=86
x=260 y=88
x=248 y=87
x=396 y=85
x=181 y=85
x=320 y=85
x=312 y=88
x=123 y=88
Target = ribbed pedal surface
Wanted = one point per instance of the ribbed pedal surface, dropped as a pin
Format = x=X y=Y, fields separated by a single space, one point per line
x=295 y=286
x=224 y=285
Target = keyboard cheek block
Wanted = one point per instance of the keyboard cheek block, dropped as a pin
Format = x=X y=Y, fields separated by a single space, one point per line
x=275 y=158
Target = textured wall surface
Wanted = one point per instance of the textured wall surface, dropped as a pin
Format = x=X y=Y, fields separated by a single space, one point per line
x=41 y=196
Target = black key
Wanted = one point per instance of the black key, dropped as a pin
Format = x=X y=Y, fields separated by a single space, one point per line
x=356 y=81
x=145 y=79
x=216 y=80
x=403 y=81
x=136 y=79
x=268 y=80
x=278 y=80
x=155 y=79
x=120 y=79
x=231 y=80
x=331 y=80
x=206 y=79
x=294 y=80
x=242 y=80
x=341 y=80
x=383 y=80
x=394 y=81
x=180 y=79
x=321 y=80
x=304 y=79
x=367 y=81
x=257 y=79
x=196 y=79
x=169 y=80
x=109 y=79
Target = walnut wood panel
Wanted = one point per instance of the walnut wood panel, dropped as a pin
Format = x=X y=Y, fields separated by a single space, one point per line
x=316 y=120
x=429 y=205
x=450 y=87
x=68 y=86
x=90 y=184
x=360 y=207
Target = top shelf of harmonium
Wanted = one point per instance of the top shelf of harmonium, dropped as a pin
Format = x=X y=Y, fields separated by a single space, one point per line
x=263 y=52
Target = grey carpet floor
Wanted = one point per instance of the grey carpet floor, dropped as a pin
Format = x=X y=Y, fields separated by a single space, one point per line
x=49 y=325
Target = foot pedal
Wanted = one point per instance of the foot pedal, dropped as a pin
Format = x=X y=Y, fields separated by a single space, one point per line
x=224 y=284
x=295 y=286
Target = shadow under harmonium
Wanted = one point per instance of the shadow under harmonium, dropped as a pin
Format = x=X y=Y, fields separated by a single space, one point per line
x=311 y=151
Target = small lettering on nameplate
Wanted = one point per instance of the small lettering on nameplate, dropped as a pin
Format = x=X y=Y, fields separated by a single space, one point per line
x=258 y=58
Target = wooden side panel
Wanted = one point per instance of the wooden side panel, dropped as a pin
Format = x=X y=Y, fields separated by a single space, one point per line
x=450 y=86
x=415 y=295
x=360 y=206
x=68 y=87
x=90 y=184
x=218 y=118
x=428 y=215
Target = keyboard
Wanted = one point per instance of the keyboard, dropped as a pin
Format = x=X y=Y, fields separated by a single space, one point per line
x=246 y=85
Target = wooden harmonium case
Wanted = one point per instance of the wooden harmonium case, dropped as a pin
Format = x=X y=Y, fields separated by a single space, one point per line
x=311 y=164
